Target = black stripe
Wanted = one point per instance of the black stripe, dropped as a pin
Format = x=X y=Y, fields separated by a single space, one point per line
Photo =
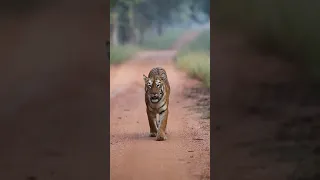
x=163 y=104
x=163 y=111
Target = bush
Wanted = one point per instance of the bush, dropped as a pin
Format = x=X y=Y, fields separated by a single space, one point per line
x=118 y=54
x=153 y=41
x=195 y=58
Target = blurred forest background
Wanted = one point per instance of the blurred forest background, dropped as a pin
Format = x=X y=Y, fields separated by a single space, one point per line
x=150 y=24
x=135 y=21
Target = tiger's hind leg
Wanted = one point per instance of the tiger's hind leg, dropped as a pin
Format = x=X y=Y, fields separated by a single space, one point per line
x=161 y=134
x=152 y=123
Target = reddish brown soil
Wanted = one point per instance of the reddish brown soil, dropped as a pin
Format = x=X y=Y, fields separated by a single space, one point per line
x=134 y=155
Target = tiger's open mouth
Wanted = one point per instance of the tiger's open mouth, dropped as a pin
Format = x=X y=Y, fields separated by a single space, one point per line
x=154 y=100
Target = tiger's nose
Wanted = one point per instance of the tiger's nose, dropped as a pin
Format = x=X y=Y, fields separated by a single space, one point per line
x=154 y=95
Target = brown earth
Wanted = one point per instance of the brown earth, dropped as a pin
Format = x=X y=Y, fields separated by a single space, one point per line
x=134 y=155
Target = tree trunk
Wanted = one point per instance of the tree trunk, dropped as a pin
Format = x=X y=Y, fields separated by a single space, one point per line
x=141 y=32
x=115 y=29
x=123 y=26
x=142 y=24
x=132 y=28
x=159 y=28
x=137 y=35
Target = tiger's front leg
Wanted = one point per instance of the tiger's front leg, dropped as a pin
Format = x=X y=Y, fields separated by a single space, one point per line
x=161 y=134
x=152 y=117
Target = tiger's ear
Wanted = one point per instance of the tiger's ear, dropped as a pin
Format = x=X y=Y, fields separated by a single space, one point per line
x=145 y=78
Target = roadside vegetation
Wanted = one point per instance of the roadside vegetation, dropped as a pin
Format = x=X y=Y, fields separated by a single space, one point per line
x=151 y=24
x=153 y=41
x=118 y=54
x=195 y=58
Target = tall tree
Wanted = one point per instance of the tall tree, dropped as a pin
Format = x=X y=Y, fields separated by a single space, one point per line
x=130 y=19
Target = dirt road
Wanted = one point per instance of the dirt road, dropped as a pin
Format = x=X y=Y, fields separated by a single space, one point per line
x=135 y=155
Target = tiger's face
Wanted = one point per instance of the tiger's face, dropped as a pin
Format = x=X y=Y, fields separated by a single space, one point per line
x=154 y=88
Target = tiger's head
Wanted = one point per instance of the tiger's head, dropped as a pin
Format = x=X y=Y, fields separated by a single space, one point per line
x=154 y=88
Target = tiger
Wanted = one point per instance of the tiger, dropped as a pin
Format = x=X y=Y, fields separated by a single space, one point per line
x=157 y=92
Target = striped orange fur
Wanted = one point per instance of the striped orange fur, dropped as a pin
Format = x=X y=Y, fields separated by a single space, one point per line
x=157 y=92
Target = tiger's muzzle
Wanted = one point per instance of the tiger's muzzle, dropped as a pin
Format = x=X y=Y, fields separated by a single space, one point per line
x=154 y=98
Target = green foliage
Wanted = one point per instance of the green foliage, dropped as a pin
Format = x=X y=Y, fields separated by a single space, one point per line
x=132 y=21
x=112 y=3
x=153 y=41
x=200 y=44
x=195 y=58
x=118 y=54
x=198 y=8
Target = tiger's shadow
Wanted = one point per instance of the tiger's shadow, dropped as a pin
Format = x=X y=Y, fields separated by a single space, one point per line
x=139 y=136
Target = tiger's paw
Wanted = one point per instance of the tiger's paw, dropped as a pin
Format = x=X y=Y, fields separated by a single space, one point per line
x=152 y=134
x=161 y=138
